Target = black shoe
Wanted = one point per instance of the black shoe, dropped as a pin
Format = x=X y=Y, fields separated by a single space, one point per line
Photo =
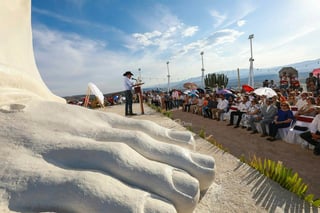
x=271 y=139
x=243 y=127
x=249 y=129
x=263 y=135
x=229 y=124
x=236 y=126
x=316 y=151
x=254 y=132
x=131 y=114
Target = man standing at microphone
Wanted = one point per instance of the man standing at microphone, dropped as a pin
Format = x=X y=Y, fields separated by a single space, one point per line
x=128 y=84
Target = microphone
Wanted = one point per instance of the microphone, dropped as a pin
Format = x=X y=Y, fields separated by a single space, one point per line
x=133 y=79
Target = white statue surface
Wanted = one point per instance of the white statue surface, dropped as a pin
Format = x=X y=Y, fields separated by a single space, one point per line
x=56 y=157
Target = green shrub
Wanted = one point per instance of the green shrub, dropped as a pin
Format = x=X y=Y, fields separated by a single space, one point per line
x=202 y=133
x=284 y=176
x=215 y=143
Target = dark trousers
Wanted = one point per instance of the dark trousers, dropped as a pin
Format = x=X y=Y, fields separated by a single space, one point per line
x=168 y=104
x=187 y=107
x=176 y=103
x=128 y=106
x=239 y=114
x=208 y=112
x=273 y=128
x=308 y=137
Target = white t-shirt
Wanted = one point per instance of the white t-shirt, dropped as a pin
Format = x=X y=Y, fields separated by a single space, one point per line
x=315 y=125
x=222 y=104
x=300 y=103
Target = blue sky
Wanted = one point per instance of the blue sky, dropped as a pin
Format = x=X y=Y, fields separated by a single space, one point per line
x=82 y=41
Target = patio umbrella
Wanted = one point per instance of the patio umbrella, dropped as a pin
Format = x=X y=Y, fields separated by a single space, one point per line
x=193 y=93
x=224 y=91
x=247 y=88
x=268 y=92
x=315 y=72
x=200 y=90
x=190 y=85
x=186 y=91
x=233 y=91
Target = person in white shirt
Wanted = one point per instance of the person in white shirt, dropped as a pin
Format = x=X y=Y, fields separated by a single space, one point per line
x=242 y=109
x=313 y=136
x=221 y=107
x=302 y=101
x=128 y=84
x=252 y=114
x=273 y=85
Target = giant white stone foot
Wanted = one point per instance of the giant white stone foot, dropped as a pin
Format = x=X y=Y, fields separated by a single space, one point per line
x=56 y=157
x=81 y=160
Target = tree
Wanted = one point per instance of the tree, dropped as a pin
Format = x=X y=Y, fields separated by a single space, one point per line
x=212 y=80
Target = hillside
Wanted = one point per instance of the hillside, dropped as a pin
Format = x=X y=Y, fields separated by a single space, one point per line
x=270 y=73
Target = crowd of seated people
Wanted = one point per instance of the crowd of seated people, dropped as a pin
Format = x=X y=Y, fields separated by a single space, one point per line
x=258 y=114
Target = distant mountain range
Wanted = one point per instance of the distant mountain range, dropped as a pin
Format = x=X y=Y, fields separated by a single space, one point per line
x=272 y=73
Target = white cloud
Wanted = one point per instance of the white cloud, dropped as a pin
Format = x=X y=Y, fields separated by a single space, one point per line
x=233 y=15
x=240 y=23
x=220 y=38
x=190 y=31
x=147 y=39
x=170 y=38
x=218 y=18
x=190 y=47
x=294 y=37
x=227 y=36
x=68 y=62
x=156 y=17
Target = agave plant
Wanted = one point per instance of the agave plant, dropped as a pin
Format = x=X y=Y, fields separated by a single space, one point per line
x=285 y=177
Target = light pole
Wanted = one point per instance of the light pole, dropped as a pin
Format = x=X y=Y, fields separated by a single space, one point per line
x=202 y=70
x=139 y=78
x=168 y=76
x=251 y=75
